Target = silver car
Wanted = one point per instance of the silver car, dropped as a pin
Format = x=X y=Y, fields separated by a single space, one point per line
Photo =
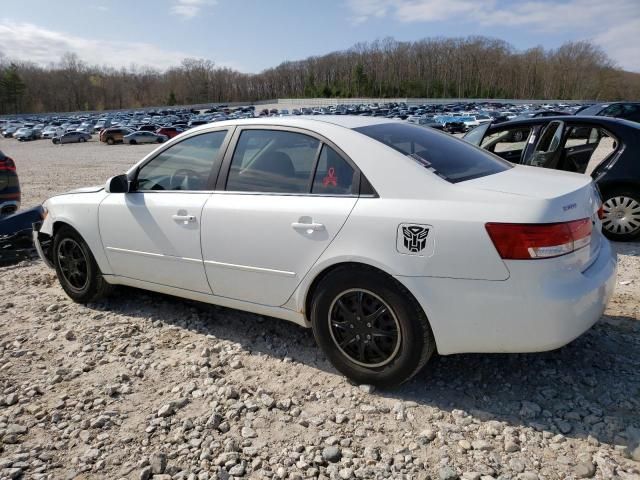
x=71 y=137
x=144 y=137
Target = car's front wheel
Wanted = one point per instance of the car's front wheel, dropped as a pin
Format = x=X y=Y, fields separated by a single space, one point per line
x=110 y=141
x=370 y=327
x=621 y=220
x=76 y=268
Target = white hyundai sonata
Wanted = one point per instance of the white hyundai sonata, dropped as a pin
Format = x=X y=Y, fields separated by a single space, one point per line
x=392 y=241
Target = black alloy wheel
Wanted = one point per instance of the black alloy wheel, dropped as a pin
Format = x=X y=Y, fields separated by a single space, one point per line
x=74 y=266
x=364 y=328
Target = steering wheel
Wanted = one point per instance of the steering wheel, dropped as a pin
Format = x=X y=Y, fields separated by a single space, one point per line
x=179 y=176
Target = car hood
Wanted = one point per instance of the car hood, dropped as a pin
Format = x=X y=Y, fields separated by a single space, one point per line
x=94 y=189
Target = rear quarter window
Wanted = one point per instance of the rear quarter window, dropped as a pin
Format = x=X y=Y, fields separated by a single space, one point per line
x=448 y=157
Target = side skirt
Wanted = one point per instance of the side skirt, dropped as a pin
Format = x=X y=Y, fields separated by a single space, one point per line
x=277 y=312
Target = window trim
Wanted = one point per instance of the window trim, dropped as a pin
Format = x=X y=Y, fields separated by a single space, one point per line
x=215 y=167
x=221 y=184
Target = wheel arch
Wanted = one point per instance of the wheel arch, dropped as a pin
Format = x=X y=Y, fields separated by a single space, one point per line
x=92 y=240
x=322 y=274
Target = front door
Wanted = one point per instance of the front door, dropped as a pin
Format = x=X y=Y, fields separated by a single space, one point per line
x=153 y=232
x=286 y=197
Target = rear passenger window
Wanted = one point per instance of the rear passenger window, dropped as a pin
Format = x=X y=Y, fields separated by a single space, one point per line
x=334 y=176
x=272 y=161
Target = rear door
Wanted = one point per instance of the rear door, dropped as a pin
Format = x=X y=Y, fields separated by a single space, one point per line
x=546 y=150
x=283 y=196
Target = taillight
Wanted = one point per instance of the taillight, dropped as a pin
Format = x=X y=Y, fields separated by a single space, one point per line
x=601 y=212
x=7 y=164
x=522 y=241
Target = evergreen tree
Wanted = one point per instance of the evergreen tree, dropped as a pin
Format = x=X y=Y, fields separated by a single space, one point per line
x=13 y=88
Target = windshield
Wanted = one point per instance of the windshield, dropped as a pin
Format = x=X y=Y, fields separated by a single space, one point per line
x=451 y=159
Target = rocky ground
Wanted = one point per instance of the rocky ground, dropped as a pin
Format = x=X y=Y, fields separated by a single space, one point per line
x=149 y=386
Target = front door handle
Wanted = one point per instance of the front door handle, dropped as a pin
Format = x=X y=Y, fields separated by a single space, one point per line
x=307 y=227
x=184 y=218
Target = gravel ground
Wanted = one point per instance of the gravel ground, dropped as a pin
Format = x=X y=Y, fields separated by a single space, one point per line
x=149 y=386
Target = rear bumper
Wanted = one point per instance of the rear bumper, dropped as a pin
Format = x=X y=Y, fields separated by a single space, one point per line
x=538 y=308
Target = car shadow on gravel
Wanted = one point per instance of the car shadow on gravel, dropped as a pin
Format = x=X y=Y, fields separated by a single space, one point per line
x=627 y=248
x=591 y=387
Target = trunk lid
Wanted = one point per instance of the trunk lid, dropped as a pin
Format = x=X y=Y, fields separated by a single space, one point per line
x=556 y=196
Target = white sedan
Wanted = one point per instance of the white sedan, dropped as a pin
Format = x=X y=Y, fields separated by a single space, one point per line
x=144 y=137
x=390 y=240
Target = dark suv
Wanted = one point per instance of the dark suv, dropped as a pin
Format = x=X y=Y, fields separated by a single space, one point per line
x=9 y=186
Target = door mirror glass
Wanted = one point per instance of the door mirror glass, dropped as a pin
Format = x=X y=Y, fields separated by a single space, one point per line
x=117 y=184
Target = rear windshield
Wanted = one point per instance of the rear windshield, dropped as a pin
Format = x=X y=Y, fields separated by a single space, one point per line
x=452 y=159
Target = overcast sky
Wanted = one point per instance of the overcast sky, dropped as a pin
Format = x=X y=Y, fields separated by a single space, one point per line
x=251 y=35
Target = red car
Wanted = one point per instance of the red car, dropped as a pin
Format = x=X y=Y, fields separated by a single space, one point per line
x=169 y=131
x=9 y=186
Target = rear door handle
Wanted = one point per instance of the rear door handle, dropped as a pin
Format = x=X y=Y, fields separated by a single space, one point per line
x=184 y=218
x=308 y=227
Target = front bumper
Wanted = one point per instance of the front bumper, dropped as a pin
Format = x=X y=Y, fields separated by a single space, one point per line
x=537 y=309
x=43 y=244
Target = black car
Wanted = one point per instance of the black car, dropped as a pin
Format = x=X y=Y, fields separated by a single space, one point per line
x=608 y=149
x=626 y=110
x=454 y=126
x=540 y=113
x=9 y=186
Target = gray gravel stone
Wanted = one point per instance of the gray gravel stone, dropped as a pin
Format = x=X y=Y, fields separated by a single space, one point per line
x=447 y=473
x=332 y=454
x=158 y=462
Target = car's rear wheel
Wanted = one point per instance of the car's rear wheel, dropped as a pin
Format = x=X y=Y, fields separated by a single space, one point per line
x=55 y=141
x=77 y=270
x=132 y=142
x=160 y=140
x=110 y=141
x=370 y=327
x=82 y=140
x=621 y=220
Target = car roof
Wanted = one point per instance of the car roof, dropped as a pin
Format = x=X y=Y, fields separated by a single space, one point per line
x=346 y=121
x=599 y=120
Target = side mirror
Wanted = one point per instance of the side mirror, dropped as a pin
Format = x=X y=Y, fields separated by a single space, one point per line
x=117 y=184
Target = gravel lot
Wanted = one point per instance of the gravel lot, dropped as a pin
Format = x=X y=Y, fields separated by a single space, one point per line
x=147 y=385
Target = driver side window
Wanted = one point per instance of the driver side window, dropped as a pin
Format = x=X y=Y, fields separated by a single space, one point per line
x=186 y=165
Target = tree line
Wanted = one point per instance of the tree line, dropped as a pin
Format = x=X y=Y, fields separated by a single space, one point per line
x=472 y=67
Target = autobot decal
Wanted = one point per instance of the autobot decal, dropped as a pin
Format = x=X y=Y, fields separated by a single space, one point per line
x=414 y=237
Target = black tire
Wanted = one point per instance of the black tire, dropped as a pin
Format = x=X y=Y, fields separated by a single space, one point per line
x=92 y=289
x=624 y=203
x=132 y=142
x=82 y=140
x=110 y=141
x=55 y=141
x=410 y=349
x=160 y=140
